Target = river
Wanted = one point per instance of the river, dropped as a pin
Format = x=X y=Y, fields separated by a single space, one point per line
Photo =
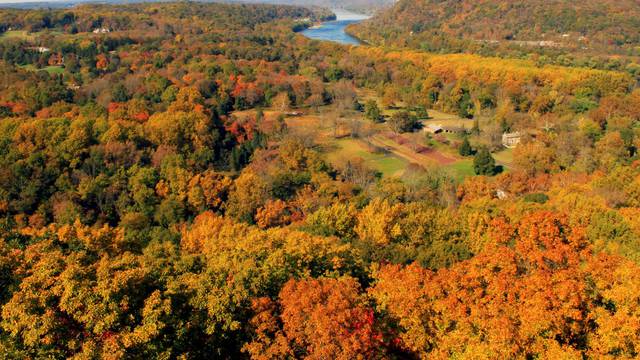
x=334 y=30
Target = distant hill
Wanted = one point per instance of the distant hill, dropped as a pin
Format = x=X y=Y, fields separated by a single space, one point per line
x=362 y=6
x=455 y=24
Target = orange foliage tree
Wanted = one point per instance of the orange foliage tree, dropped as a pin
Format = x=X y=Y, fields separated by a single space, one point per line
x=321 y=318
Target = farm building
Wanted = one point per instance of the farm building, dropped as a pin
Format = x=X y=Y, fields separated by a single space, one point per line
x=40 y=49
x=437 y=129
x=454 y=130
x=433 y=128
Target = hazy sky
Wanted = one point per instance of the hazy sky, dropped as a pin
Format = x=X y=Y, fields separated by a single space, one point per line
x=28 y=1
x=347 y=17
x=25 y=1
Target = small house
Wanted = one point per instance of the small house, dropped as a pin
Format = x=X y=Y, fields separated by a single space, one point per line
x=101 y=30
x=433 y=128
x=511 y=140
x=454 y=130
x=40 y=49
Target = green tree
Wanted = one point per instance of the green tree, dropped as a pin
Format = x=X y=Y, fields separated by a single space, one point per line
x=333 y=74
x=422 y=113
x=372 y=111
x=484 y=163
x=465 y=148
x=465 y=105
x=402 y=122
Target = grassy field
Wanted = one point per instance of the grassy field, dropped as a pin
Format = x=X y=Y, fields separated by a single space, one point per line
x=347 y=148
x=462 y=169
x=504 y=158
x=17 y=34
x=28 y=36
x=49 y=69
x=437 y=117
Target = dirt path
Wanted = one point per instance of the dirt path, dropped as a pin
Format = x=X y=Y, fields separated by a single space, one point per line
x=428 y=158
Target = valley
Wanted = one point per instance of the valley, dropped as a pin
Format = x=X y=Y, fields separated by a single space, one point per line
x=198 y=180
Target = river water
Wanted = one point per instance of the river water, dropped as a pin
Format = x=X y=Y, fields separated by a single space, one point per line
x=334 y=30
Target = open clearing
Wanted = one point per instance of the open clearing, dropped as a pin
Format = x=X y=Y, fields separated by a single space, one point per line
x=437 y=117
x=17 y=34
x=504 y=158
x=380 y=149
x=49 y=69
x=341 y=150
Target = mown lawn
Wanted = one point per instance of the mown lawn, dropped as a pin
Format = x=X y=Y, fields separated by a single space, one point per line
x=29 y=36
x=49 y=69
x=17 y=34
x=347 y=148
x=462 y=169
x=504 y=157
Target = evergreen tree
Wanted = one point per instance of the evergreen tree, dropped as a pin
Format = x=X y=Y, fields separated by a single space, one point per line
x=484 y=163
x=120 y=93
x=465 y=148
x=465 y=105
x=422 y=113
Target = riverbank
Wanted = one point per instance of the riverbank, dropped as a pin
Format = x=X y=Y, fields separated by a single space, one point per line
x=347 y=30
x=335 y=30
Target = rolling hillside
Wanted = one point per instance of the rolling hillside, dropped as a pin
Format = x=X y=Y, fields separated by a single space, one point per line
x=361 y=6
x=457 y=24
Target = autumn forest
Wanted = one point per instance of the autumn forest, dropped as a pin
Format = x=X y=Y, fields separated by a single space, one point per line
x=187 y=180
